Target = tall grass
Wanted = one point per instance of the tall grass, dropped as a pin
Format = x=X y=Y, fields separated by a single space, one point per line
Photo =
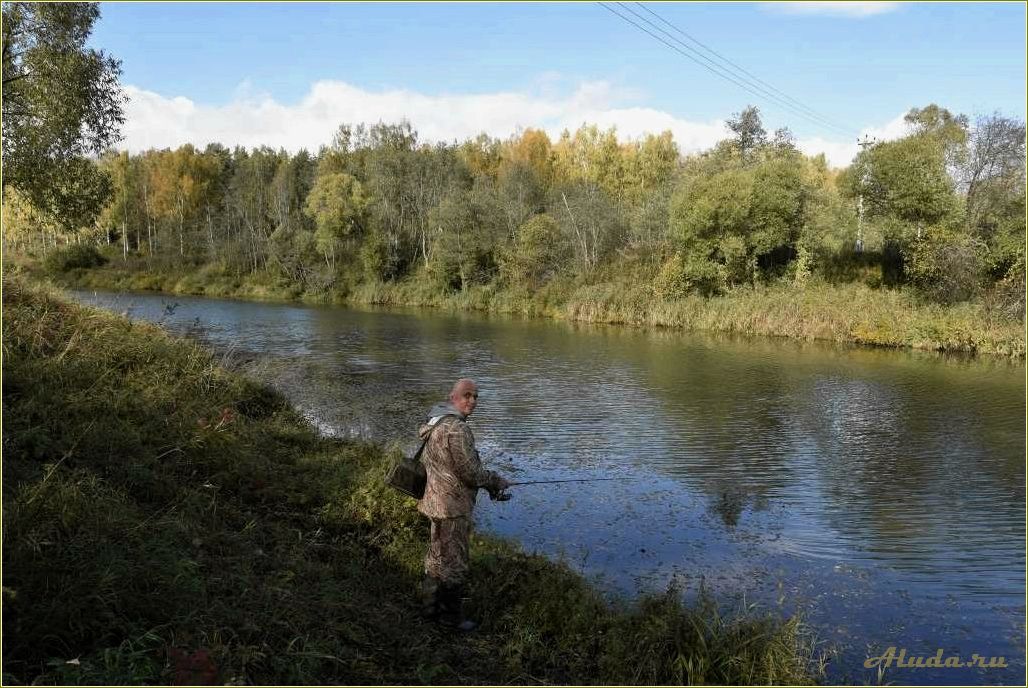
x=817 y=310
x=166 y=519
x=853 y=313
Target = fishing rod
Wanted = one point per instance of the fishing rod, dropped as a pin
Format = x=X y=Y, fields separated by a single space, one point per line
x=572 y=480
x=504 y=496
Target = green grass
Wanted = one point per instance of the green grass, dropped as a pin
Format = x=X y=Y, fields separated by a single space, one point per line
x=846 y=313
x=852 y=313
x=166 y=519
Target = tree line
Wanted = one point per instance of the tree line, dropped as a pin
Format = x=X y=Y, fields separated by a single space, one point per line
x=941 y=209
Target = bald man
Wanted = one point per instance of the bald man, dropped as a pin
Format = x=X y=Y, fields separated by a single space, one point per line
x=455 y=474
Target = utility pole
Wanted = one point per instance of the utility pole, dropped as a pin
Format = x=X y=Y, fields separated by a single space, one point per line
x=859 y=248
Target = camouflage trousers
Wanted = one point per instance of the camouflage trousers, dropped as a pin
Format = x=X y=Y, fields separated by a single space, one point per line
x=448 y=559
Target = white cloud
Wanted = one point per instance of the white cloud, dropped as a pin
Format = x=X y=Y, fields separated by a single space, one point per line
x=253 y=118
x=841 y=153
x=895 y=128
x=838 y=9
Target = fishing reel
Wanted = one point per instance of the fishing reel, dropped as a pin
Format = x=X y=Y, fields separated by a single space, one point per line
x=499 y=496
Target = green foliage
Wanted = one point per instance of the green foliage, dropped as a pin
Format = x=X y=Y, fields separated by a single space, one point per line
x=776 y=204
x=380 y=216
x=61 y=104
x=949 y=131
x=465 y=237
x=75 y=256
x=741 y=214
x=670 y=283
x=904 y=179
x=748 y=130
x=994 y=177
x=680 y=276
x=707 y=207
x=737 y=262
x=294 y=254
x=830 y=231
x=1008 y=297
x=23 y=224
x=537 y=254
x=946 y=266
x=338 y=205
x=374 y=258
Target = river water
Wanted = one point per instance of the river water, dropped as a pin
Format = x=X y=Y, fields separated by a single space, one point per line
x=879 y=493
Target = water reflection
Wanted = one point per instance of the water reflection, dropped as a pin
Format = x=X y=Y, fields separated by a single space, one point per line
x=880 y=492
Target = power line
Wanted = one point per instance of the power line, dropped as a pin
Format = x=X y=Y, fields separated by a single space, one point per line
x=718 y=70
x=754 y=77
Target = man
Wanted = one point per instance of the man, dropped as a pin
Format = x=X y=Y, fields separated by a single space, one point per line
x=455 y=474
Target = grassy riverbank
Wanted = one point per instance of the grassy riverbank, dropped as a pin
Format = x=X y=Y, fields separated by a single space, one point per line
x=166 y=519
x=848 y=313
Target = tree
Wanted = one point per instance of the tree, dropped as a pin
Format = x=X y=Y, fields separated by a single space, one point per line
x=465 y=231
x=590 y=221
x=61 y=104
x=945 y=266
x=741 y=218
x=24 y=224
x=748 y=130
x=180 y=185
x=993 y=177
x=531 y=148
x=338 y=205
x=904 y=179
x=947 y=129
x=520 y=192
x=537 y=254
x=247 y=204
x=117 y=214
x=656 y=160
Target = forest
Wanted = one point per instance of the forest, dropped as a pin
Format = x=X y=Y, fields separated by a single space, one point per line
x=941 y=211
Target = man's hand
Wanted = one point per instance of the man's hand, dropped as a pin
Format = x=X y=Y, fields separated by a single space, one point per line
x=496 y=489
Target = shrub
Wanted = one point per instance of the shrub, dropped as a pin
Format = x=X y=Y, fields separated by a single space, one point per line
x=679 y=276
x=73 y=257
x=945 y=267
x=1008 y=297
x=537 y=254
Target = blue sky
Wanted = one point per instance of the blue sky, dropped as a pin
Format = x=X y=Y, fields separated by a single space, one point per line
x=243 y=71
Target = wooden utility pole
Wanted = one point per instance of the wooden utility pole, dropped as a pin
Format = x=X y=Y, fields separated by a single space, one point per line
x=859 y=247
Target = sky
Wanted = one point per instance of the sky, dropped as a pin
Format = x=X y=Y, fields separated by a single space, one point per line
x=289 y=74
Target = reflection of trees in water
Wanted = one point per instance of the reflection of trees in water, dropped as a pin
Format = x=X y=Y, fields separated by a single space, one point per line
x=732 y=424
x=907 y=451
x=729 y=506
x=909 y=470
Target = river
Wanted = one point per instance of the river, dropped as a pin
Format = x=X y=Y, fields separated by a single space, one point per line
x=879 y=493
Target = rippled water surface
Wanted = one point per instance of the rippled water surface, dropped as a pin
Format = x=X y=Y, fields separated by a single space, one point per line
x=879 y=493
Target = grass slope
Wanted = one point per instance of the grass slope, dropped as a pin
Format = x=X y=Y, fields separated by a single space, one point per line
x=167 y=520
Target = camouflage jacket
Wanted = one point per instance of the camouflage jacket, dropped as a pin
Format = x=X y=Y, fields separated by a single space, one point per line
x=455 y=472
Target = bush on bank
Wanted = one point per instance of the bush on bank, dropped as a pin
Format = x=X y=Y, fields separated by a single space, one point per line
x=168 y=520
x=75 y=256
x=812 y=310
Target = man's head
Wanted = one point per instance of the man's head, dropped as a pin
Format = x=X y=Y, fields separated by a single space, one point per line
x=464 y=396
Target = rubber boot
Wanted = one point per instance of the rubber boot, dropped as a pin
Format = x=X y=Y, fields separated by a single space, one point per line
x=452 y=609
x=431 y=594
